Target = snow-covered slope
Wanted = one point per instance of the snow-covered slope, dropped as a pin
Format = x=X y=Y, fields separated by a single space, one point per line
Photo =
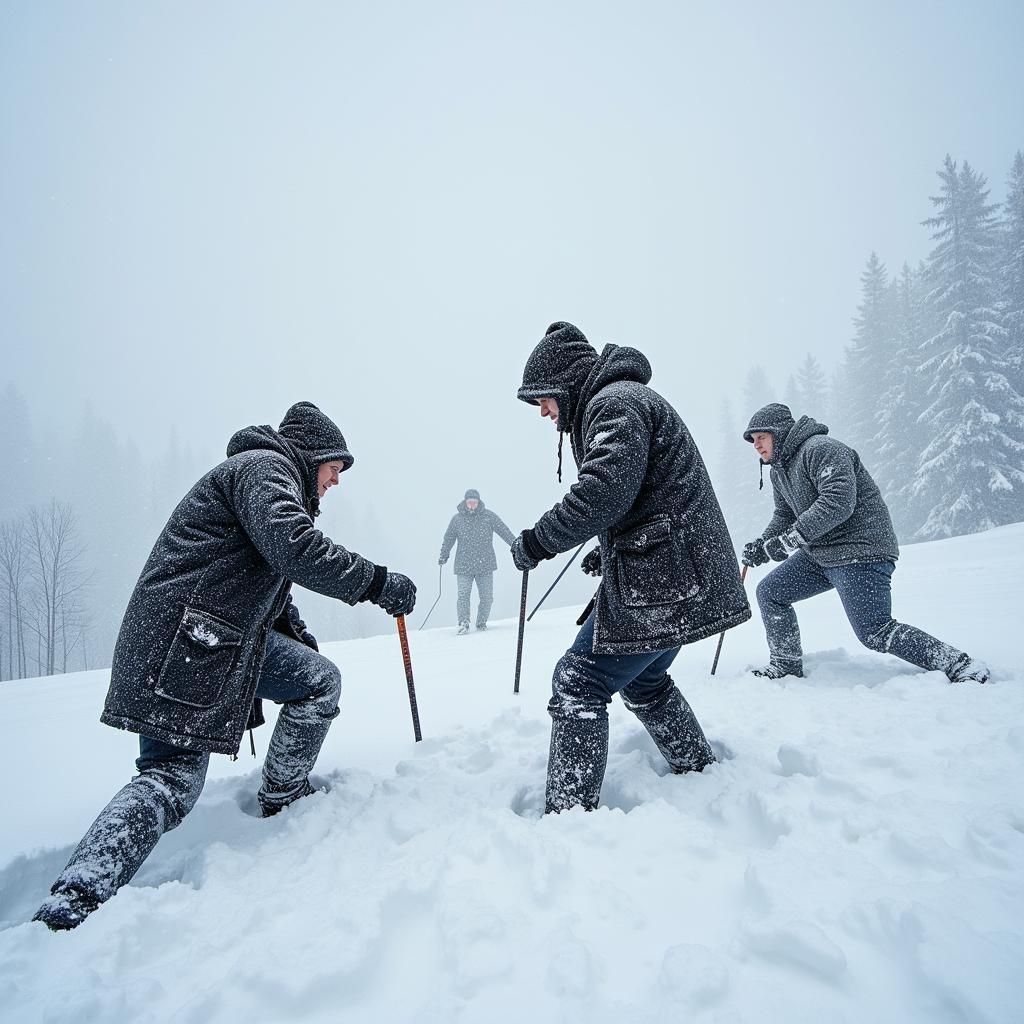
x=857 y=855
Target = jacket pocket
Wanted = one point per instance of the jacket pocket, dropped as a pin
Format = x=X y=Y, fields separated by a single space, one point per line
x=653 y=565
x=202 y=654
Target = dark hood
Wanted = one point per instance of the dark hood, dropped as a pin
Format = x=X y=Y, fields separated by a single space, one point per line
x=557 y=368
x=788 y=434
x=306 y=437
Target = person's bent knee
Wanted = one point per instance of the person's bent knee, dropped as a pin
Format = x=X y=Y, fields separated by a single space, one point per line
x=574 y=691
x=176 y=785
x=327 y=692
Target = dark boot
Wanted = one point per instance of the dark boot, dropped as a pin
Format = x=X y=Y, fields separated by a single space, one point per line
x=577 y=760
x=674 y=728
x=776 y=669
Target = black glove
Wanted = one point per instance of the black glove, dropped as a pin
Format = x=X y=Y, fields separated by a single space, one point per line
x=528 y=552
x=302 y=634
x=443 y=560
x=591 y=563
x=392 y=591
x=781 y=547
x=754 y=553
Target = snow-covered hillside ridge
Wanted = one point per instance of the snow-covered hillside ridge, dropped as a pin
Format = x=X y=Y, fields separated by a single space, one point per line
x=857 y=854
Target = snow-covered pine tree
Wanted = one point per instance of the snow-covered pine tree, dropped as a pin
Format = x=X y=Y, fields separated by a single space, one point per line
x=970 y=476
x=811 y=389
x=867 y=361
x=1012 y=271
x=900 y=440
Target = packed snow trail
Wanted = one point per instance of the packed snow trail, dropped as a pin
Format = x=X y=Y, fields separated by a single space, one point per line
x=855 y=855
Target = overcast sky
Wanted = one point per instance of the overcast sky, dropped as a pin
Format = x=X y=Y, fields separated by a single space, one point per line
x=212 y=210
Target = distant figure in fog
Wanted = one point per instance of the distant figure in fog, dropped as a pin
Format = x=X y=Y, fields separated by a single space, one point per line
x=472 y=528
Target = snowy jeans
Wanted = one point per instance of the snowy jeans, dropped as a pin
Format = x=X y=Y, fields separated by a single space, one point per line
x=485 y=590
x=865 y=588
x=582 y=688
x=171 y=778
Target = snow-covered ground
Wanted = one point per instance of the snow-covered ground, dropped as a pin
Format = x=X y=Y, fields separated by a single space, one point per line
x=858 y=855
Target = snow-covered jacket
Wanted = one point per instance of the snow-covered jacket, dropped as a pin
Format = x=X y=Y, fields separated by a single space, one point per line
x=823 y=491
x=669 y=569
x=191 y=645
x=474 y=531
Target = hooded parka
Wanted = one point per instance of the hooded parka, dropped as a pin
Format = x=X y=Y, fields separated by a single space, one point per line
x=191 y=645
x=669 y=571
x=822 y=490
x=474 y=533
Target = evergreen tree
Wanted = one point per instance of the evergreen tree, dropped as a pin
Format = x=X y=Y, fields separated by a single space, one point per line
x=1012 y=271
x=867 y=361
x=970 y=475
x=811 y=389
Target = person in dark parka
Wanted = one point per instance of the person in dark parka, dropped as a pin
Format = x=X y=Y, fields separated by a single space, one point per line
x=473 y=527
x=669 y=575
x=210 y=629
x=831 y=528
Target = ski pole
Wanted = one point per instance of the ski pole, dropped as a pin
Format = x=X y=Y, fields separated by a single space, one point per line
x=555 y=584
x=522 y=629
x=440 y=569
x=718 y=650
x=403 y=639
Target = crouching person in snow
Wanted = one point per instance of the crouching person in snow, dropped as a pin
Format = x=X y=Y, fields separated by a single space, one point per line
x=473 y=527
x=209 y=630
x=669 y=573
x=831 y=528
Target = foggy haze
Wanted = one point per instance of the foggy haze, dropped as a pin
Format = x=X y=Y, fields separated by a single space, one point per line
x=211 y=212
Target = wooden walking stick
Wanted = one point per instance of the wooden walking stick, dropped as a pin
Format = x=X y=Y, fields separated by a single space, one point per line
x=403 y=638
x=718 y=650
x=522 y=628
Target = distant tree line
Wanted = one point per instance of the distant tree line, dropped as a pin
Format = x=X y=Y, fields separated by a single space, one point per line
x=930 y=389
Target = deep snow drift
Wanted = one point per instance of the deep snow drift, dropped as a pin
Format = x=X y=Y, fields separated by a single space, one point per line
x=856 y=855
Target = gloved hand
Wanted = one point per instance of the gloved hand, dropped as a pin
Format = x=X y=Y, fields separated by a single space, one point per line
x=443 y=560
x=528 y=552
x=754 y=553
x=781 y=547
x=591 y=563
x=398 y=596
x=299 y=627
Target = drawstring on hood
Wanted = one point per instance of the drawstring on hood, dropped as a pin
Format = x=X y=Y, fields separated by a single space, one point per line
x=787 y=434
x=565 y=366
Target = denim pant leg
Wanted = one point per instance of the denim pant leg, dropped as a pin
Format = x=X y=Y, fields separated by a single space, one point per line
x=462 y=603
x=308 y=686
x=485 y=589
x=581 y=688
x=666 y=714
x=866 y=592
x=169 y=782
x=796 y=579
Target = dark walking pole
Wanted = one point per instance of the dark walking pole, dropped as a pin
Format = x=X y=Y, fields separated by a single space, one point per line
x=403 y=638
x=718 y=650
x=522 y=628
x=440 y=569
x=555 y=584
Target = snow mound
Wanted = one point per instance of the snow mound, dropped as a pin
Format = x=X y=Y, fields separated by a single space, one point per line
x=855 y=854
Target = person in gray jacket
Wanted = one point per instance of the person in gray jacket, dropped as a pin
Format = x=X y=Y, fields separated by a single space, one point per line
x=669 y=574
x=831 y=529
x=473 y=527
x=210 y=630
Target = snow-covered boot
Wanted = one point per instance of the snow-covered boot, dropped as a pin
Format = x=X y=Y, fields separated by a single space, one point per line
x=65 y=909
x=967 y=670
x=576 y=762
x=481 y=627
x=270 y=807
x=674 y=728
x=463 y=628
x=778 y=669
